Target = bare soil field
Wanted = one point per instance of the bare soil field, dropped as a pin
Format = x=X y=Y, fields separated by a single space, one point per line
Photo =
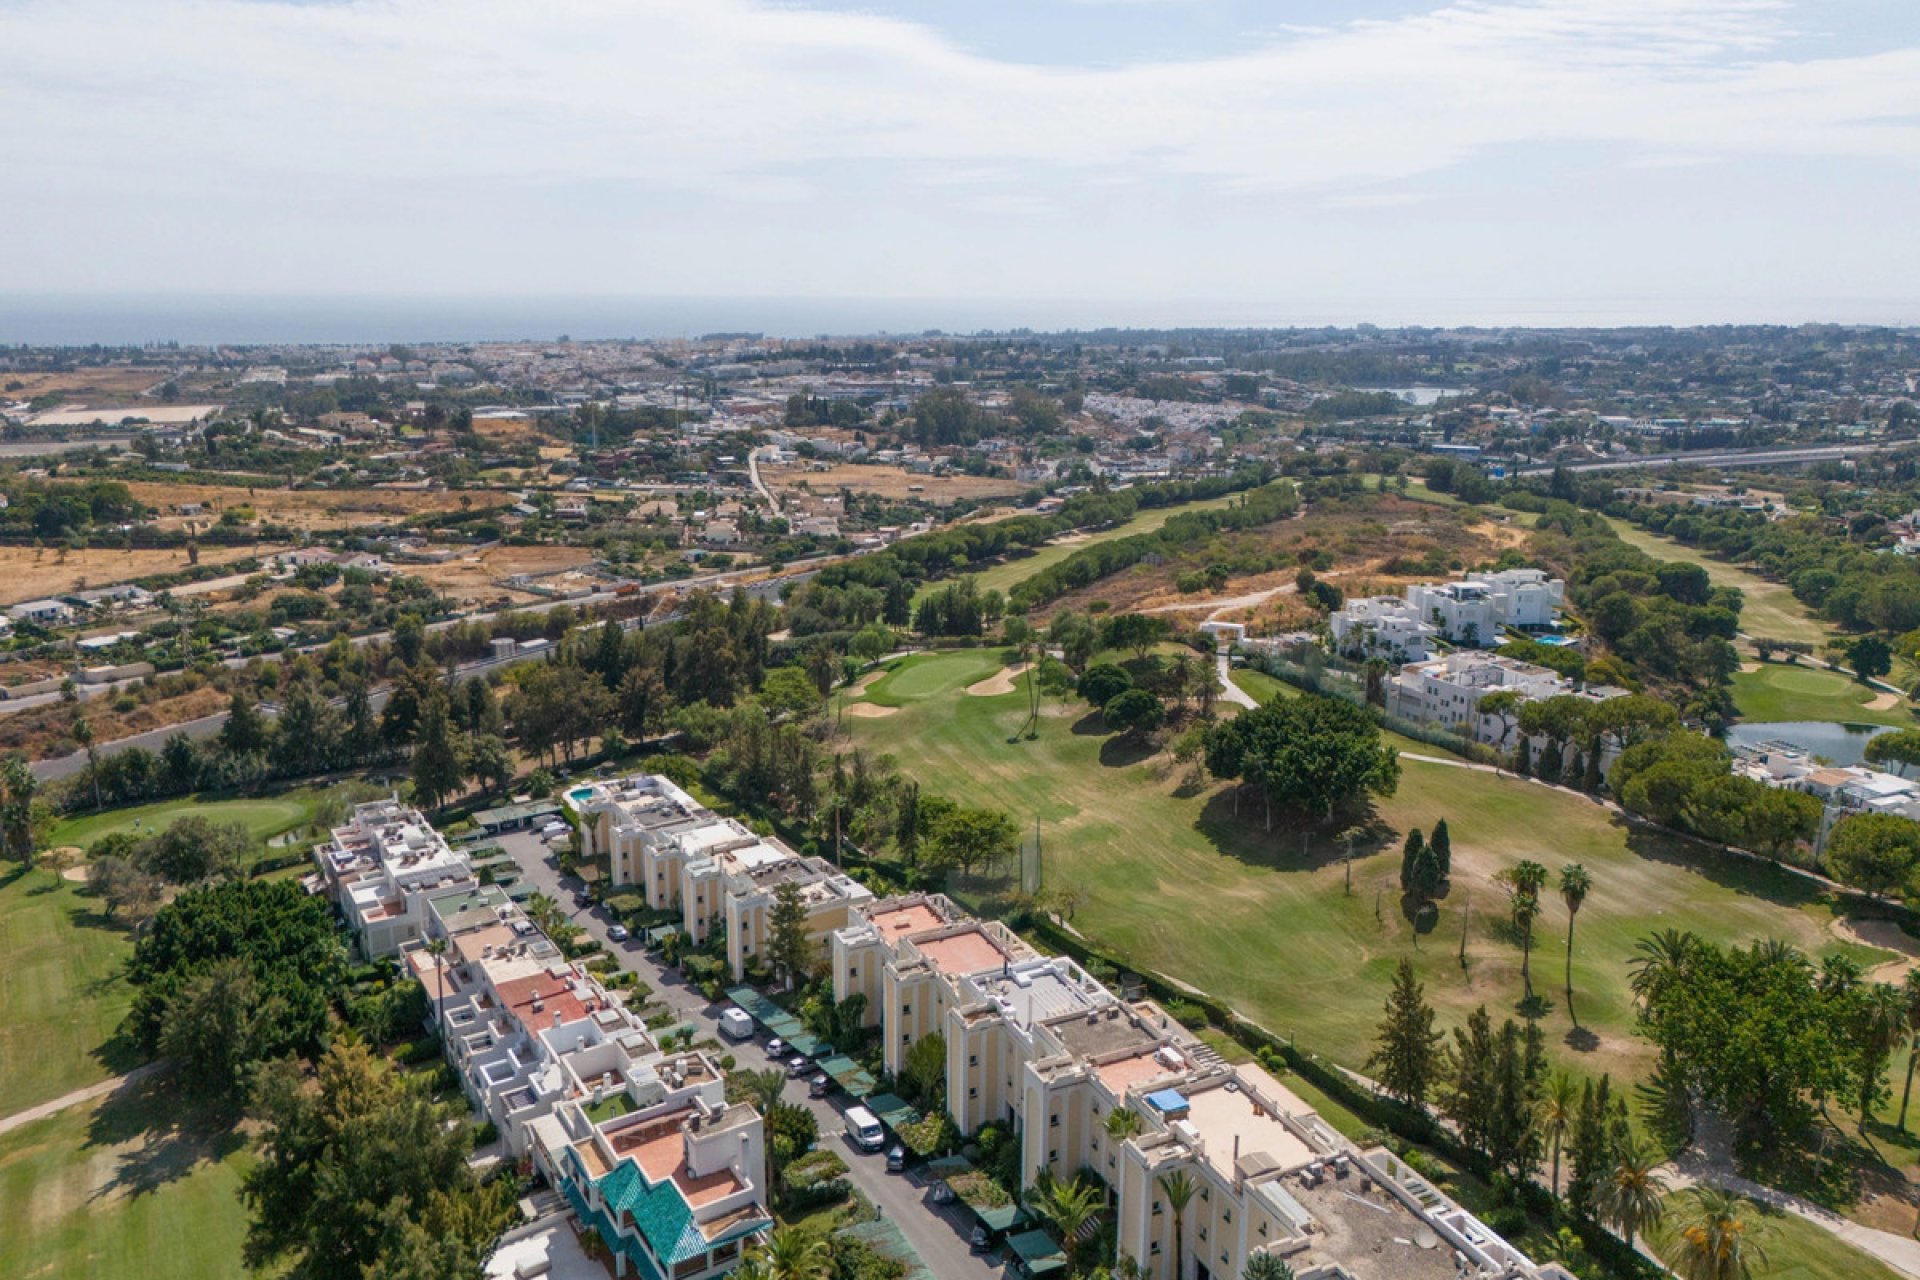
x=507 y=430
x=29 y=573
x=1377 y=544
x=46 y=731
x=115 y=383
x=476 y=577
x=892 y=482
x=307 y=508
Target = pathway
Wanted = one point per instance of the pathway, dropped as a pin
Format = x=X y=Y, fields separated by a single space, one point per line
x=78 y=1096
x=1229 y=690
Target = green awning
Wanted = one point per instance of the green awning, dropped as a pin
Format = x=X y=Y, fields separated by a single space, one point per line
x=948 y=1167
x=999 y=1217
x=1037 y=1252
x=806 y=1042
x=892 y=1110
x=848 y=1074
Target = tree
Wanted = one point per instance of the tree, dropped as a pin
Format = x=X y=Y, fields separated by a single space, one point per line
x=1410 y=851
x=1179 y=1187
x=409 y=639
x=1309 y=754
x=1910 y=991
x=1897 y=747
x=1882 y=1021
x=790 y=948
x=1559 y=1108
x=792 y=1254
x=1575 y=883
x=1135 y=712
x=763 y=1089
x=1266 y=1266
x=1714 y=1236
x=130 y=893
x=489 y=762
x=967 y=838
x=1070 y=1209
x=1407 y=1054
x=437 y=948
x=1441 y=842
x=1630 y=1196
x=83 y=734
x=1103 y=682
x=437 y=768
x=17 y=812
x=789 y=691
x=359 y=1136
x=870 y=643
x=923 y=1074
x=1871 y=657
x=214 y=1030
x=1873 y=852
x=245 y=731
x=1136 y=631
x=1523 y=882
x=193 y=849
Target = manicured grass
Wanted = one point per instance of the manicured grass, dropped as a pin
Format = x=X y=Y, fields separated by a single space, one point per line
x=1789 y=691
x=61 y=990
x=1018 y=568
x=1796 y=1249
x=116 y=1189
x=265 y=816
x=1260 y=686
x=1770 y=610
x=1170 y=878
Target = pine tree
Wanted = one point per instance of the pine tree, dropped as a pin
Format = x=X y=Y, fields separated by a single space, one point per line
x=1523 y=757
x=1409 y=854
x=789 y=947
x=1409 y=1048
x=437 y=767
x=1590 y=1146
x=1469 y=1091
x=1441 y=842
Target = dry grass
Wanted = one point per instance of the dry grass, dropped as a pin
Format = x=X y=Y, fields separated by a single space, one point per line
x=312 y=509
x=116 y=382
x=477 y=577
x=892 y=482
x=46 y=731
x=29 y=573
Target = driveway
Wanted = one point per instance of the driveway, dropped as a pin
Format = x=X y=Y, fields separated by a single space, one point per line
x=937 y=1233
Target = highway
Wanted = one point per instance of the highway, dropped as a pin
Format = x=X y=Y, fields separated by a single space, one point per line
x=1723 y=458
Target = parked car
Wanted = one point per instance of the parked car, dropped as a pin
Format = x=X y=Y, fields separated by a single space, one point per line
x=617 y=932
x=864 y=1128
x=980 y=1239
x=943 y=1194
x=896 y=1158
x=776 y=1048
x=798 y=1065
x=820 y=1086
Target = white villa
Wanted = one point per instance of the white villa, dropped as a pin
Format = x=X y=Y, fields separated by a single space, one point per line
x=380 y=869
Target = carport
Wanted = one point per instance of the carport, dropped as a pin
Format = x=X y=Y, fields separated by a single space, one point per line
x=1036 y=1254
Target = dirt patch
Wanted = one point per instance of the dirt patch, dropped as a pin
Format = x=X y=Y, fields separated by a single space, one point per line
x=870 y=711
x=118 y=382
x=28 y=573
x=999 y=682
x=477 y=578
x=306 y=508
x=892 y=482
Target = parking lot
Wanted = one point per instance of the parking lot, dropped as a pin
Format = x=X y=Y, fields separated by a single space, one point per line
x=938 y=1233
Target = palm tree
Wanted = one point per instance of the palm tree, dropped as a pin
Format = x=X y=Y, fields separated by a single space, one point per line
x=1630 y=1195
x=83 y=734
x=1715 y=1238
x=1069 y=1207
x=1266 y=1266
x=1179 y=1188
x=1523 y=882
x=1883 y=1021
x=1660 y=957
x=1559 y=1104
x=1911 y=992
x=1575 y=881
x=1123 y=1122
x=792 y=1255
x=763 y=1090
x=437 y=947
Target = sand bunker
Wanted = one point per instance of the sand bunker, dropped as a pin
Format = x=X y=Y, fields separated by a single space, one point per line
x=1748 y=668
x=870 y=710
x=998 y=683
x=1885 y=702
x=1887 y=936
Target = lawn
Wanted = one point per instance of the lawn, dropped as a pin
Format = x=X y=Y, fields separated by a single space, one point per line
x=265 y=816
x=61 y=991
x=1018 y=568
x=1770 y=609
x=1789 y=691
x=1796 y=1249
x=1152 y=853
x=116 y=1189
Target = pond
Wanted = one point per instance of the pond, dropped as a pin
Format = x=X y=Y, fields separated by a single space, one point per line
x=1840 y=743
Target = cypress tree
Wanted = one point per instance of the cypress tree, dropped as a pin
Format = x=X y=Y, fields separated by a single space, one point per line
x=1550 y=761
x=1590 y=782
x=1441 y=843
x=1409 y=854
x=1523 y=757
x=1426 y=874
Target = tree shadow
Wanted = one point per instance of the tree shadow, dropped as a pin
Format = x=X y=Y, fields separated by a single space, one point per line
x=1535 y=1007
x=1124 y=749
x=1422 y=913
x=1091 y=725
x=1741 y=873
x=1243 y=835
x=165 y=1135
x=1580 y=1039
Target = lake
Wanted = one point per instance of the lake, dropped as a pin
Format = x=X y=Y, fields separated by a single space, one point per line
x=1840 y=743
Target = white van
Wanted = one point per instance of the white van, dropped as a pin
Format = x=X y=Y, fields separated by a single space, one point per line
x=735 y=1024
x=864 y=1128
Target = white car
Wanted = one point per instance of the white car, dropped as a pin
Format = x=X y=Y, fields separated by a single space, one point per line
x=617 y=932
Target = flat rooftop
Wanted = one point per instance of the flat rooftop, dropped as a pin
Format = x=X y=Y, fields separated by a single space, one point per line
x=1110 y=1030
x=895 y=923
x=1123 y=1073
x=1368 y=1231
x=1227 y=1112
x=971 y=951
x=1036 y=991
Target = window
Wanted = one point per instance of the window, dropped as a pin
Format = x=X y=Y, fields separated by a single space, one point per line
x=1156 y=1208
x=1053 y=1122
x=853 y=971
x=1153 y=1250
x=973 y=1093
x=906 y=1037
x=906 y=1010
x=973 y=1059
x=1226 y=1215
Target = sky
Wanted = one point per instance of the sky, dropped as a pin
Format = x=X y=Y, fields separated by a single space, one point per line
x=1093 y=161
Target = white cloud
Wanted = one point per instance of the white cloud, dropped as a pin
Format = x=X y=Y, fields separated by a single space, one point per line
x=733 y=106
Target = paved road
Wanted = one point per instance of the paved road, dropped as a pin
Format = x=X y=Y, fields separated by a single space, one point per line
x=78 y=1096
x=938 y=1234
x=1723 y=458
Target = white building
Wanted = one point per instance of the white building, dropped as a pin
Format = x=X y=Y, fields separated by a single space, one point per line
x=45 y=613
x=1526 y=599
x=1447 y=691
x=1461 y=612
x=381 y=868
x=714 y=871
x=1382 y=627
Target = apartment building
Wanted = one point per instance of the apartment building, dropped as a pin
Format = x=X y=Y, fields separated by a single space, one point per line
x=1461 y=612
x=1447 y=691
x=1382 y=627
x=1525 y=599
x=641 y=1143
x=713 y=870
x=1844 y=789
x=381 y=868
x=1035 y=1042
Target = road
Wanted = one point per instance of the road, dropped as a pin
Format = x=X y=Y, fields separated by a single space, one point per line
x=937 y=1233
x=759 y=485
x=1723 y=458
x=1223 y=668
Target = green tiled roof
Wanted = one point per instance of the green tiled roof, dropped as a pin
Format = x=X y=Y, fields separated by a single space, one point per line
x=659 y=1210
